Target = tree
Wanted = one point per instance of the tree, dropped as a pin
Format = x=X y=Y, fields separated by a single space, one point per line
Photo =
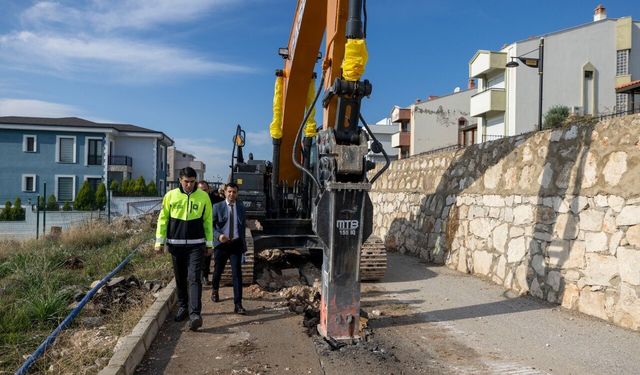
x=114 y=187
x=101 y=196
x=125 y=188
x=86 y=198
x=554 y=118
x=7 y=212
x=52 y=203
x=152 y=190
x=41 y=203
x=18 y=211
x=139 y=187
x=66 y=207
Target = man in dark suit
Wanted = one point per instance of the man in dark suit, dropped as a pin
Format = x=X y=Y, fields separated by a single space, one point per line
x=229 y=243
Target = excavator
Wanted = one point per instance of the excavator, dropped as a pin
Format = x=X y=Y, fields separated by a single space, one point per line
x=313 y=194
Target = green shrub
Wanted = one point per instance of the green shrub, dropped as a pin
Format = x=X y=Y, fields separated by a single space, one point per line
x=41 y=203
x=125 y=187
x=152 y=190
x=18 y=212
x=114 y=186
x=7 y=212
x=86 y=198
x=52 y=203
x=101 y=197
x=66 y=207
x=139 y=187
x=555 y=117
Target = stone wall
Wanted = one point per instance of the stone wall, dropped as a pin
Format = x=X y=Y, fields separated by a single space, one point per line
x=555 y=214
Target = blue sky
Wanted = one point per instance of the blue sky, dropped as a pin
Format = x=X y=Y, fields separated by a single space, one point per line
x=196 y=68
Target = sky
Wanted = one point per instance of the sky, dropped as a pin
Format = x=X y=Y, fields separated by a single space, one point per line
x=194 y=69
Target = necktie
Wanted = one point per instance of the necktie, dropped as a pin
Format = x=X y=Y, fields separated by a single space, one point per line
x=232 y=222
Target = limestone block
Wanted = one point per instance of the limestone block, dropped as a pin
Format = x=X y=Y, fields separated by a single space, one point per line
x=629 y=265
x=566 y=226
x=609 y=221
x=570 y=297
x=494 y=213
x=553 y=280
x=596 y=242
x=523 y=214
x=616 y=202
x=492 y=176
x=527 y=155
x=590 y=171
x=526 y=178
x=538 y=265
x=600 y=270
x=561 y=205
x=482 y=262
x=615 y=168
x=516 y=232
x=546 y=176
x=601 y=200
x=578 y=204
x=614 y=242
x=493 y=201
x=542 y=152
x=591 y=219
x=536 y=289
x=480 y=227
x=542 y=236
x=508 y=214
x=565 y=175
x=499 y=237
x=572 y=133
x=508 y=280
x=558 y=253
x=572 y=275
x=501 y=268
x=627 y=312
x=592 y=303
x=511 y=178
x=633 y=236
x=636 y=200
x=516 y=250
x=517 y=199
x=462 y=260
x=630 y=215
x=521 y=278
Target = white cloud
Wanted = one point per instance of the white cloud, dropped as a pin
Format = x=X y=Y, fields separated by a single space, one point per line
x=258 y=139
x=124 y=60
x=36 y=108
x=120 y=14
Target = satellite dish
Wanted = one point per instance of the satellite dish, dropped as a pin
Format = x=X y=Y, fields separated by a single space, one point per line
x=457 y=89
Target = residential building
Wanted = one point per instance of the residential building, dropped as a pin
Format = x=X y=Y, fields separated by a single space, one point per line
x=383 y=131
x=589 y=68
x=179 y=159
x=65 y=152
x=402 y=138
x=442 y=121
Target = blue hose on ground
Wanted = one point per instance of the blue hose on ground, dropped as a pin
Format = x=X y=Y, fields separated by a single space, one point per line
x=49 y=340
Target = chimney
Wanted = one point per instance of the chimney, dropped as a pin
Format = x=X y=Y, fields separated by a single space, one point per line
x=600 y=13
x=472 y=84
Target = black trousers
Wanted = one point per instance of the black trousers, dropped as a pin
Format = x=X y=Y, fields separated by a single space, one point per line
x=206 y=266
x=187 y=268
x=231 y=250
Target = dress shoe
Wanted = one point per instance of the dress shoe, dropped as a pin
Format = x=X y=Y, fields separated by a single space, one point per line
x=181 y=314
x=214 y=296
x=238 y=309
x=195 y=323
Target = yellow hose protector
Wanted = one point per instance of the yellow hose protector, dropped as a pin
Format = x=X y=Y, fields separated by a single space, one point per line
x=311 y=125
x=275 y=128
x=355 y=59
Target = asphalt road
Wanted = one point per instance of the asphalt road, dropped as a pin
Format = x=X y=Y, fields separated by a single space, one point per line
x=424 y=320
x=472 y=326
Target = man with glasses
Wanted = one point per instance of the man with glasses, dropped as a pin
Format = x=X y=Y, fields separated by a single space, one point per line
x=185 y=226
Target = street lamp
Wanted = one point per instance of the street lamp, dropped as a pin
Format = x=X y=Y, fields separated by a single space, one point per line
x=533 y=63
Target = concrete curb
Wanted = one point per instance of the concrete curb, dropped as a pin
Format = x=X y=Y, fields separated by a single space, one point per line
x=134 y=346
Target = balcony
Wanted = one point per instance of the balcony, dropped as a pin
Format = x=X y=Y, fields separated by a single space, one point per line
x=401 y=115
x=486 y=62
x=488 y=102
x=401 y=139
x=120 y=163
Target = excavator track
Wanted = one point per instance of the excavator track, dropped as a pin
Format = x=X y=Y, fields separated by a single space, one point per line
x=247 y=266
x=373 y=259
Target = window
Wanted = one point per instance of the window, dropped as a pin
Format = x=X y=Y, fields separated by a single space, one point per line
x=65 y=188
x=404 y=127
x=94 y=151
x=162 y=157
x=65 y=149
x=29 y=183
x=621 y=102
x=29 y=143
x=622 y=62
x=462 y=122
x=588 y=74
x=94 y=182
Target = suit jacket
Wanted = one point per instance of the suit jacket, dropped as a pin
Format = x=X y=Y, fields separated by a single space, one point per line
x=220 y=218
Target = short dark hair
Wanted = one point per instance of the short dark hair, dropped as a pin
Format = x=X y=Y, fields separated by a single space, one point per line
x=232 y=185
x=188 y=172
